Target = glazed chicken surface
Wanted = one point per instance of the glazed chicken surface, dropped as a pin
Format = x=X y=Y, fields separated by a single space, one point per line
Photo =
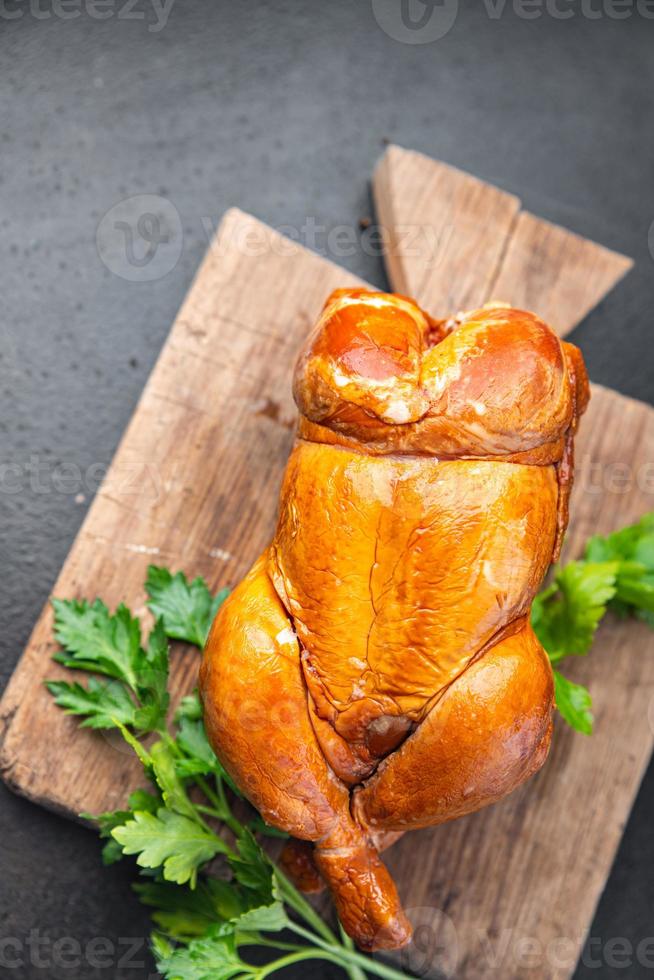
x=376 y=670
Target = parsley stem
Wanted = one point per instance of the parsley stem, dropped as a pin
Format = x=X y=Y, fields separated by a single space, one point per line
x=354 y=972
x=211 y=796
x=303 y=908
x=220 y=807
x=222 y=796
x=306 y=954
x=351 y=957
x=274 y=944
x=209 y=810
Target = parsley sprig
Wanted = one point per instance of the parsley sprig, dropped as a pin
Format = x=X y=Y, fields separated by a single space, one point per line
x=616 y=572
x=185 y=822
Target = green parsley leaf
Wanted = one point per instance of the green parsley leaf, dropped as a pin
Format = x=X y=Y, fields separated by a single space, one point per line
x=574 y=703
x=616 y=572
x=153 y=682
x=252 y=869
x=635 y=587
x=160 y=763
x=624 y=544
x=97 y=641
x=189 y=707
x=161 y=946
x=100 y=703
x=140 y=799
x=169 y=840
x=263 y=918
x=566 y=615
x=201 y=759
x=633 y=548
x=264 y=909
x=192 y=740
x=203 y=959
x=185 y=914
x=172 y=787
x=112 y=851
x=187 y=609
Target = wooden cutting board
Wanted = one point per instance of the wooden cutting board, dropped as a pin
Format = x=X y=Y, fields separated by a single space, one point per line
x=194 y=484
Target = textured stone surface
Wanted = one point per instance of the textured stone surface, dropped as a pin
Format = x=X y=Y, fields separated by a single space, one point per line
x=280 y=108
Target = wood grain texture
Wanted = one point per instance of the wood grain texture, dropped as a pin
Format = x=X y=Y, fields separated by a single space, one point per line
x=560 y=274
x=512 y=890
x=194 y=485
x=451 y=259
x=455 y=242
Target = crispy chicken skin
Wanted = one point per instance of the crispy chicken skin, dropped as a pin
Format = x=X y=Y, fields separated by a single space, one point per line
x=376 y=670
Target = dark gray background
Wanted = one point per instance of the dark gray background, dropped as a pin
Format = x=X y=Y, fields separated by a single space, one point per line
x=281 y=108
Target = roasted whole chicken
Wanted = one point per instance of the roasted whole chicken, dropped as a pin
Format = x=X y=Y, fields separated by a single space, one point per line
x=376 y=670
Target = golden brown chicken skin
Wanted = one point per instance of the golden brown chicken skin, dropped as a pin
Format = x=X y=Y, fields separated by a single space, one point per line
x=376 y=670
